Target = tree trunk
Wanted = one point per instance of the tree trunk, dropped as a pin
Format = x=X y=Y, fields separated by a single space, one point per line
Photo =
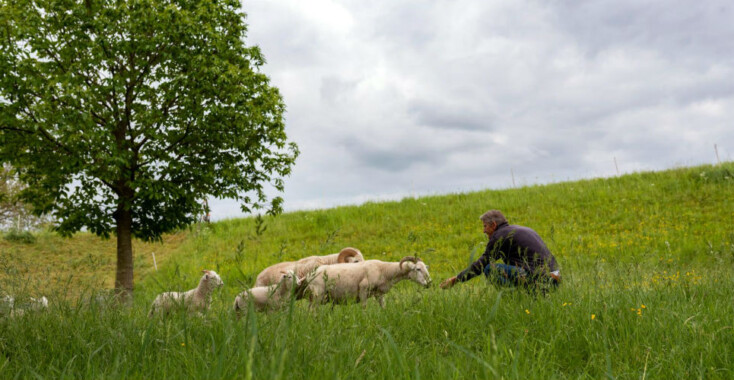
x=124 y=276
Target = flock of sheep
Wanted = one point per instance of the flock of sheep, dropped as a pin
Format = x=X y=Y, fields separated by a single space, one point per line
x=336 y=278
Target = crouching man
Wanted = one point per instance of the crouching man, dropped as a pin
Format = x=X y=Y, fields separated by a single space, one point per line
x=527 y=260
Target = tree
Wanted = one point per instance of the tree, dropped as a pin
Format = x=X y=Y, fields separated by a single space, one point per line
x=122 y=115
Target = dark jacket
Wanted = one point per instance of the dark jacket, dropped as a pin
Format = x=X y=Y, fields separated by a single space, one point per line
x=515 y=245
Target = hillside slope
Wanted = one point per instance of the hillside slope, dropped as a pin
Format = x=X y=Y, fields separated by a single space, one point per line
x=647 y=261
x=685 y=215
x=682 y=215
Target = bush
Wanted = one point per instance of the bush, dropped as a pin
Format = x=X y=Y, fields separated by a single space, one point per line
x=15 y=236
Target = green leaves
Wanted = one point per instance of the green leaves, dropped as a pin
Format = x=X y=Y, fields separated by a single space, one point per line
x=146 y=105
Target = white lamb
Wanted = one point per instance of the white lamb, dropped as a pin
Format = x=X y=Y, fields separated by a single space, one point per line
x=271 y=274
x=197 y=299
x=270 y=297
x=359 y=281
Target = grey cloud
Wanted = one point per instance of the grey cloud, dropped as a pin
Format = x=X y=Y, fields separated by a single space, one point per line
x=680 y=28
x=390 y=158
x=287 y=38
x=405 y=24
x=418 y=97
x=448 y=116
x=334 y=89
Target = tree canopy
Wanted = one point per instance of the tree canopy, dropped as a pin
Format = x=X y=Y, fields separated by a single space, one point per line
x=121 y=116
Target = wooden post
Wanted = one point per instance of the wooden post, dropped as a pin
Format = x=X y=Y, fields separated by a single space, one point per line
x=513 y=177
x=716 y=149
x=615 y=164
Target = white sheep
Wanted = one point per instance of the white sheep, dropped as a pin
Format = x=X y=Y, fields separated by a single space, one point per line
x=33 y=304
x=197 y=299
x=270 y=297
x=271 y=274
x=9 y=301
x=359 y=281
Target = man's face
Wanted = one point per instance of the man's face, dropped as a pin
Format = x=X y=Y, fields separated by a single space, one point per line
x=489 y=228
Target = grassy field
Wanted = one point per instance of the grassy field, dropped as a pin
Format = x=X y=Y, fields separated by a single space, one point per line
x=648 y=292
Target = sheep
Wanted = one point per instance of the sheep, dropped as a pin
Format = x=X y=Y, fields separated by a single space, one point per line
x=33 y=304
x=359 y=281
x=271 y=274
x=270 y=297
x=197 y=299
x=9 y=301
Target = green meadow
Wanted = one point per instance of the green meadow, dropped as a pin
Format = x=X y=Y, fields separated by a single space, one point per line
x=648 y=292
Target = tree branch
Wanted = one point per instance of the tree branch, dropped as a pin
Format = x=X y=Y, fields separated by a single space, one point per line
x=172 y=145
x=166 y=109
x=44 y=133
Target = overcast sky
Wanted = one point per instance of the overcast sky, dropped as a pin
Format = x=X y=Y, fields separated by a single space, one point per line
x=388 y=99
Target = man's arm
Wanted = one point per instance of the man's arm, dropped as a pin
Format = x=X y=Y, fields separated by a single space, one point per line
x=476 y=268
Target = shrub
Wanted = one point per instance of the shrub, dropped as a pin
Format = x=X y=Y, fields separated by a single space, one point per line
x=15 y=236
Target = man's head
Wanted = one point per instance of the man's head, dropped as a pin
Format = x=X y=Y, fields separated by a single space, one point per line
x=491 y=220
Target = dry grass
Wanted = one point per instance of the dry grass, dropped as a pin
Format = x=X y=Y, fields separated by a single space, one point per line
x=84 y=262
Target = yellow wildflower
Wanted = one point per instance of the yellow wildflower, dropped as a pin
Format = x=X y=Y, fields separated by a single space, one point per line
x=593 y=316
x=527 y=311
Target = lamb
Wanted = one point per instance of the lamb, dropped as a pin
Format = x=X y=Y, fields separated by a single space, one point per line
x=359 y=281
x=269 y=297
x=197 y=299
x=271 y=274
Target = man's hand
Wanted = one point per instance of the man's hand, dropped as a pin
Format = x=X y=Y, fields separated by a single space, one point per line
x=449 y=282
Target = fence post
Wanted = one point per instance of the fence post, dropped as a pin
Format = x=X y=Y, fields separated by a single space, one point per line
x=716 y=150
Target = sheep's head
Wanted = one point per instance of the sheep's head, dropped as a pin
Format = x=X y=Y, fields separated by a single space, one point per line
x=349 y=255
x=212 y=279
x=237 y=304
x=303 y=283
x=287 y=281
x=240 y=304
x=417 y=270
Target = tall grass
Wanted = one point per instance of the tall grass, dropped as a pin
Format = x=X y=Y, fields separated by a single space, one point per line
x=647 y=260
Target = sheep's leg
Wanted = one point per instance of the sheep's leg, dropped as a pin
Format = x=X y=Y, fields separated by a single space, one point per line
x=312 y=300
x=381 y=300
x=152 y=311
x=364 y=293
